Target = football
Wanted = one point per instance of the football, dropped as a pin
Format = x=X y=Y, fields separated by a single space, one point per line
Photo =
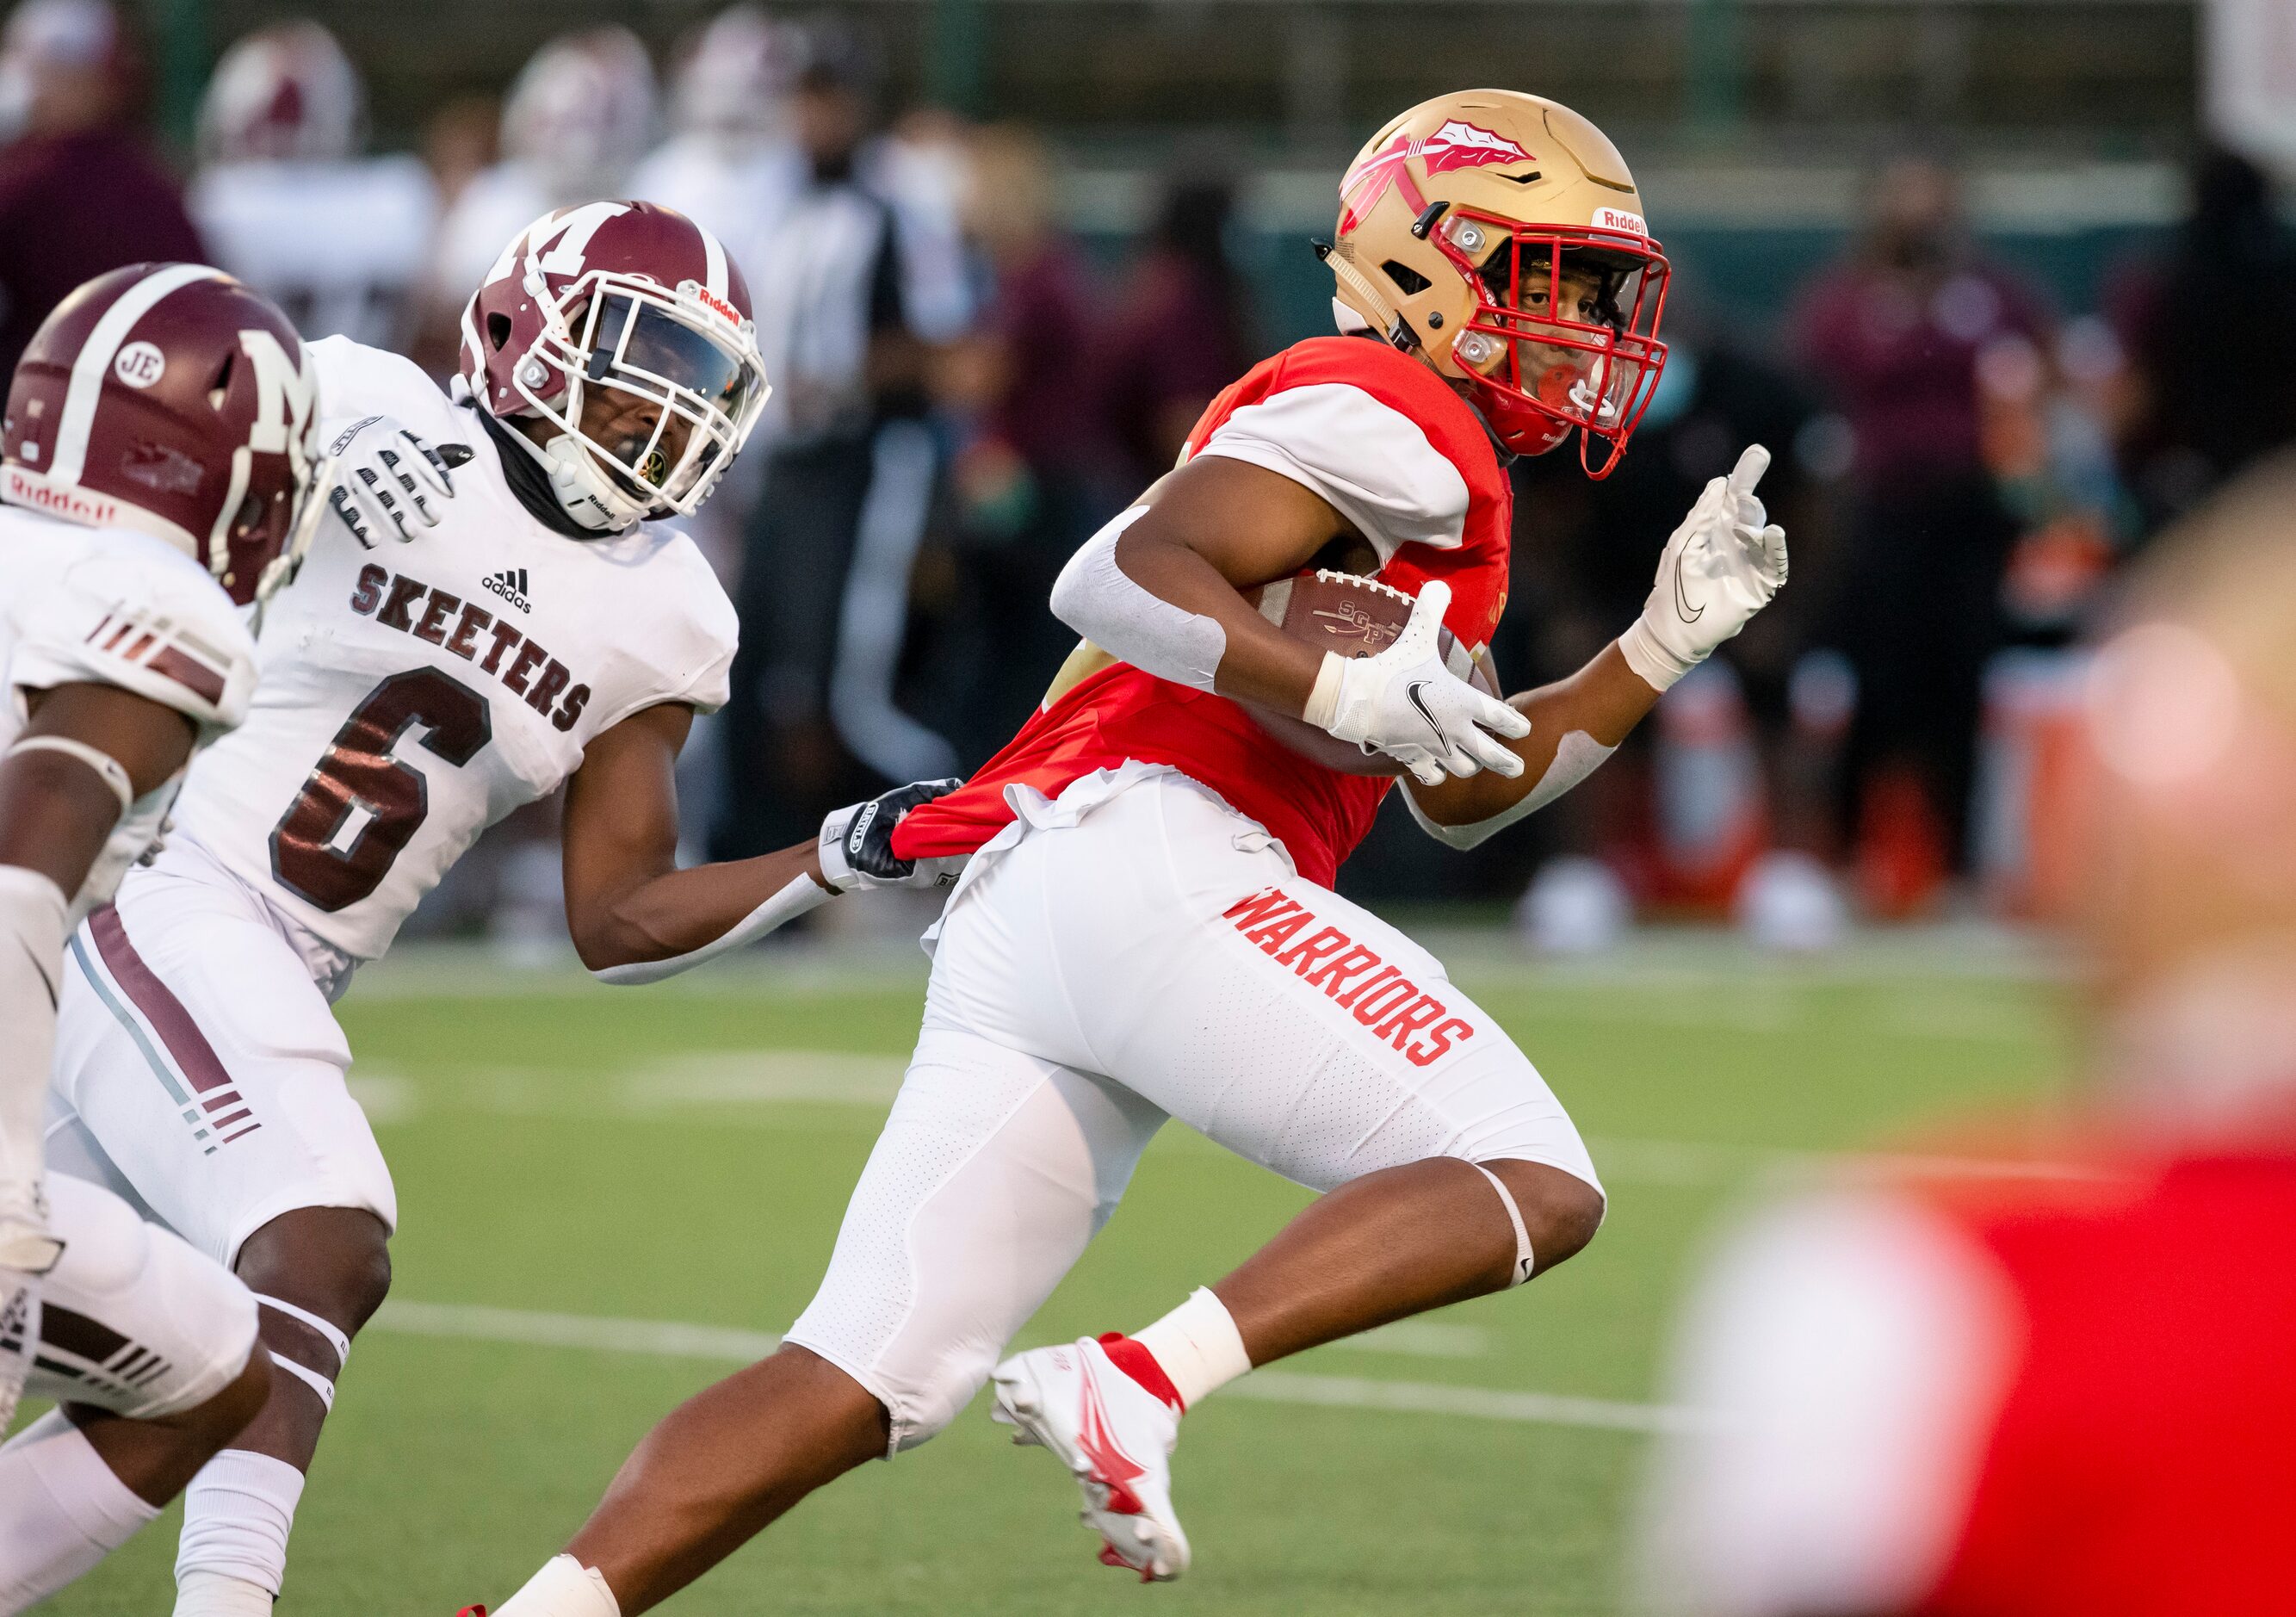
x=1356 y=617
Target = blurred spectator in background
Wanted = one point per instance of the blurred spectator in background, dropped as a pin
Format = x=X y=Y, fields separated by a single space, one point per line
x=79 y=191
x=461 y=141
x=575 y=121
x=732 y=162
x=1892 y=338
x=342 y=243
x=1182 y=329
x=2057 y=1385
x=2209 y=330
x=848 y=483
x=924 y=167
x=1031 y=479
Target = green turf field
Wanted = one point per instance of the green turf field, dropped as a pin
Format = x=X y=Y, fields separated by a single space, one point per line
x=567 y=1154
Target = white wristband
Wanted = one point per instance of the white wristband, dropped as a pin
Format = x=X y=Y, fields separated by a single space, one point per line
x=1324 y=701
x=801 y=894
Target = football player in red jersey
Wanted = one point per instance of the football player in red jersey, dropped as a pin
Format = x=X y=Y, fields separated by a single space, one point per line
x=1146 y=928
x=2054 y=1382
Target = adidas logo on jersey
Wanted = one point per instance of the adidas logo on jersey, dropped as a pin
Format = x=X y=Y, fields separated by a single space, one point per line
x=510 y=584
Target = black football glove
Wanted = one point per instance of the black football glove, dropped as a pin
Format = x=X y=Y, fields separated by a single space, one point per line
x=857 y=843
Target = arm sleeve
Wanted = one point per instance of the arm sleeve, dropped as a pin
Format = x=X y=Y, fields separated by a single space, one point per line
x=1098 y=599
x=1845 y=1357
x=1373 y=462
x=1578 y=756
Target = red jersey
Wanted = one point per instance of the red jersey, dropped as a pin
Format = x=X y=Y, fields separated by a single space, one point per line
x=2025 y=1390
x=2144 y=1458
x=1387 y=442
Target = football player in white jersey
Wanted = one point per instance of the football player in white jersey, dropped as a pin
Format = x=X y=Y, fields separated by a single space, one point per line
x=285 y=202
x=156 y=469
x=476 y=625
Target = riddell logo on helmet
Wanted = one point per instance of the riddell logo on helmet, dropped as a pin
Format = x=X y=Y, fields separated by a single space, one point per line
x=1457 y=144
x=711 y=301
x=1619 y=218
x=22 y=487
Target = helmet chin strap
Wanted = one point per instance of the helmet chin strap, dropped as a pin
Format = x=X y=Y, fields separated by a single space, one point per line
x=587 y=494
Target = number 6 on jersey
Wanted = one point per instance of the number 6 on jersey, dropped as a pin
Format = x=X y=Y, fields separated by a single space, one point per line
x=309 y=851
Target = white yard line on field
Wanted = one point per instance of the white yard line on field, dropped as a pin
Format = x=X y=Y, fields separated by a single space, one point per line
x=749 y=1086
x=672 y=1339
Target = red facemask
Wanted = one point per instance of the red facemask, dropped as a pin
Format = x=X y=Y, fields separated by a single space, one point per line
x=1536 y=373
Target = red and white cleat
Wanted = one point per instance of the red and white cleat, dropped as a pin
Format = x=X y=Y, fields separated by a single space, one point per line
x=1115 y=1436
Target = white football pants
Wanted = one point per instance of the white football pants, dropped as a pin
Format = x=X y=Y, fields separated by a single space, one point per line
x=1136 y=951
x=198 y=1071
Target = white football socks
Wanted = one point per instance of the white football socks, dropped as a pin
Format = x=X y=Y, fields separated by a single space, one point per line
x=563 y=1588
x=220 y=1595
x=61 y=1511
x=231 y=1559
x=1197 y=1345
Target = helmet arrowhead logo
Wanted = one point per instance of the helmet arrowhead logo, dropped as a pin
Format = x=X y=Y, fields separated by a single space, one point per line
x=1465 y=146
x=1457 y=144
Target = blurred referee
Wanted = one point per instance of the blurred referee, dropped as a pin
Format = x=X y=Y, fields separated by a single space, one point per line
x=843 y=324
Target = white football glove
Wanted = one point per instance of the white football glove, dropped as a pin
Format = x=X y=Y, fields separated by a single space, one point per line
x=857 y=843
x=1405 y=703
x=389 y=480
x=1721 y=567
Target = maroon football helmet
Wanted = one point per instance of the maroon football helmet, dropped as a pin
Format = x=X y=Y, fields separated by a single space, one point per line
x=634 y=311
x=171 y=398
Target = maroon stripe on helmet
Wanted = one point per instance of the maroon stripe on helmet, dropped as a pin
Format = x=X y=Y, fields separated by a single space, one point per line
x=99 y=628
x=225 y=1123
x=188 y=671
x=118 y=635
x=193 y=1056
x=217 y=1103
x=242 y=1134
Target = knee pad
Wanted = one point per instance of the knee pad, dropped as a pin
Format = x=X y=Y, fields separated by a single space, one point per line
x=139 y=1323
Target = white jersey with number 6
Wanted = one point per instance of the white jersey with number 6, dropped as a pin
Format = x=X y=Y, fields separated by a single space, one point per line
x=412 y=695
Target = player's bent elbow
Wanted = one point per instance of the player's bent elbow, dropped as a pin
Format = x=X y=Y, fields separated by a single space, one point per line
x=604 y=938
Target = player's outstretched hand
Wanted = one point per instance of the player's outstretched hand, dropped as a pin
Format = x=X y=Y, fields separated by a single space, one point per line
x=1721 y=567
x=390 y=481
x=1405 y=703
x=856 y=842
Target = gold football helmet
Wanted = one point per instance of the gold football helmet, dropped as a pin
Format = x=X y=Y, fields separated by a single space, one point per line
x=1501 y=236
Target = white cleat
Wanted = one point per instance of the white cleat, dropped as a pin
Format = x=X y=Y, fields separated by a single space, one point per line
x=1115 y=1436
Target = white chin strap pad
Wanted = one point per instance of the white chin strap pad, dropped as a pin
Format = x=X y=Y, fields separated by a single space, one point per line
x=1522 y=1259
